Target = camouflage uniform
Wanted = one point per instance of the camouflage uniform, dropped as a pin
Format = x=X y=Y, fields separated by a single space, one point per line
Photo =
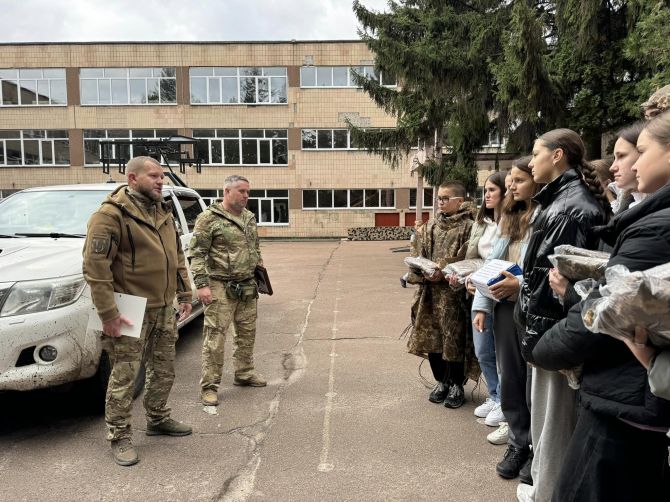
x=438 y=311
x=132 y=247
x=224 y=252
x=156 y=346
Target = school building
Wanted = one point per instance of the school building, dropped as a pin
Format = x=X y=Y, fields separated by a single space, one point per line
x=274 y=112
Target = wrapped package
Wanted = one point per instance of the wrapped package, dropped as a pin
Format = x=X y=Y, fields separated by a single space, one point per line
x=462 y=269
x=576 y=267
x=631 y=299
x=573 y=250
x=423 y=264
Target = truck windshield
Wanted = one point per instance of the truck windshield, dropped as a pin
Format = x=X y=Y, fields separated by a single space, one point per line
x=49 y=212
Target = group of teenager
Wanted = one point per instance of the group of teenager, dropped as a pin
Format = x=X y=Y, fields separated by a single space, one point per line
x=605 y=436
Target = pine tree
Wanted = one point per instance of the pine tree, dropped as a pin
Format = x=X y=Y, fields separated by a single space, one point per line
x=435 y=49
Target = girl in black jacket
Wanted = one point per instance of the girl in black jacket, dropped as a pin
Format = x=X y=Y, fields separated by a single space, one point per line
x=618 y=451
x=572 y=203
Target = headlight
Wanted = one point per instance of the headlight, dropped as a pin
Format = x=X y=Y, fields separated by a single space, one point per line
x=30 y=297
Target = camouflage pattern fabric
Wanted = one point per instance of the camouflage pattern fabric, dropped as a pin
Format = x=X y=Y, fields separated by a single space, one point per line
x=224 y=246
x=218 y=317
x=439 y=313
x=156 y=346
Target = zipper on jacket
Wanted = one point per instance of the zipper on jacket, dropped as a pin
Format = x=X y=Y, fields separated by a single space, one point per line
x=132 y=247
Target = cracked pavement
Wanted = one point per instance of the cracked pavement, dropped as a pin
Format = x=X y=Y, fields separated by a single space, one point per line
x=343 y=420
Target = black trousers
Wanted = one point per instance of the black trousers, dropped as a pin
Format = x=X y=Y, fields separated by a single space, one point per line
x=446 y=371
x=513 y=375
x=610 y=461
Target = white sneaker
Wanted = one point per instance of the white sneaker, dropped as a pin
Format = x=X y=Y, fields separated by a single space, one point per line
x=495 y=416
x=485 y=408
x=500 y=435
x=525 y=493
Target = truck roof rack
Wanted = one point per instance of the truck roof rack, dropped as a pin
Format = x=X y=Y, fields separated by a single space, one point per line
x=163 y=150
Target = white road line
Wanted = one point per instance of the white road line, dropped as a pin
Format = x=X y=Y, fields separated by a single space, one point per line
x=324 y=464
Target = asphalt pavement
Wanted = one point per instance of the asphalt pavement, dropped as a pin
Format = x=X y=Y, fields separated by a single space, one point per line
x=345 y=416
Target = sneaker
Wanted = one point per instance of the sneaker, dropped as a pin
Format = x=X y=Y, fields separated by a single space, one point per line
x=500 y=435
x=525 y=493
x=512 y=461
x=439 y=393
x=524 y=473
x=124 y=452
x=495 y=416
x=483 y=409
x=252 y=380
x=455 y=397
x=209 y=397
x=169 y=427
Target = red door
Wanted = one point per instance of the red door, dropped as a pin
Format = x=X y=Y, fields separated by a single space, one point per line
x=387 y=220
x=411 y=217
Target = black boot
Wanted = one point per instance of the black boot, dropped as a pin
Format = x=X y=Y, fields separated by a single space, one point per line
x=512 y=461
x=439 y=393
x=524 y=473
x=455 y=397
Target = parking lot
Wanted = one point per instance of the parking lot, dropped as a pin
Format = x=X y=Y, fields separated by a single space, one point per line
x=345 y=415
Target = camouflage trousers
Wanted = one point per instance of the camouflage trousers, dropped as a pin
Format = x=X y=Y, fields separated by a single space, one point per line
x=156 y=347
x=219 y=315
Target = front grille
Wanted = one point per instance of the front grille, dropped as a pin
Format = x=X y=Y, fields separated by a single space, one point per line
x=4 y=293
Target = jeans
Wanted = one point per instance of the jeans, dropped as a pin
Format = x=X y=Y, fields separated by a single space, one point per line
x=486 y=355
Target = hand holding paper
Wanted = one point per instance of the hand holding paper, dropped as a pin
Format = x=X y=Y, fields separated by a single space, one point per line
x=129 y=323
x=113 y=328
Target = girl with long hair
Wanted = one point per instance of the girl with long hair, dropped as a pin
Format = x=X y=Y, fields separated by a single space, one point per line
x=512 y=239
x=618 y=451
x=572 y=202
x=479 y=246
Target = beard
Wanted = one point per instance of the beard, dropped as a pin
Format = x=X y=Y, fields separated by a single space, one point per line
x=148 y=192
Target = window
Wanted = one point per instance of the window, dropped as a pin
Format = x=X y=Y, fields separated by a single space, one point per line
x=328 y=139
x=427 y=198
x=349 y=199
x=128 y=86
x=340 y=76
x=93 y=150
x=191 y=209
x=246 y=85
x=34 y=148
x=33 y=87
x=250 y=147
x=269 y=206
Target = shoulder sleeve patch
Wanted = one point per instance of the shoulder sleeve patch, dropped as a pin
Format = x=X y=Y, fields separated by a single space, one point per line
x=100 y=243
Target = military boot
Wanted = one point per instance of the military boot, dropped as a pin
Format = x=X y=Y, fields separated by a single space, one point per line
x=209 y=397
x=124 y=452
x=169 y=427
x=251 y=379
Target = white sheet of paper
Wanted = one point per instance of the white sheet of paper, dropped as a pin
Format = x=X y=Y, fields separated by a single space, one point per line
x=132 y=307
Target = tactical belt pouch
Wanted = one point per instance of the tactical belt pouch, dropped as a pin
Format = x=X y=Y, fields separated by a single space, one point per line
x=244 y=291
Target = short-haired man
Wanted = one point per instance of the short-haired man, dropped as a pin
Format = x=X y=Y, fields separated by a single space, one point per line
x=132 y=246
x=224 y=254
x=440 y=324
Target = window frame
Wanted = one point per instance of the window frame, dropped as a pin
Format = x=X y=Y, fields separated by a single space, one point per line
x=223 y=135
x=127 y=78
x=41 y=140
x=17 y=80
x=367 y=71
x=349 y=207
x=430 y=199
x=266 y=73
x=129 y=136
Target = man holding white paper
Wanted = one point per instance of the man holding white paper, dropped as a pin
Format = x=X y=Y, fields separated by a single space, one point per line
x=132 y=247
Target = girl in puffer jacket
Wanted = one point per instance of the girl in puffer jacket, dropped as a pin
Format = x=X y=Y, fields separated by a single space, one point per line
x=618 y=451
x=572 y=203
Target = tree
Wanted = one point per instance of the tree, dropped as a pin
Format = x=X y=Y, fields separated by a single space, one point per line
x=434 y=48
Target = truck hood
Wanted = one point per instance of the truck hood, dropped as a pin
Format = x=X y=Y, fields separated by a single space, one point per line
x=33 y=258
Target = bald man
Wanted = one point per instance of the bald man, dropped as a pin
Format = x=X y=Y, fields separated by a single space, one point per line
x=132 y=247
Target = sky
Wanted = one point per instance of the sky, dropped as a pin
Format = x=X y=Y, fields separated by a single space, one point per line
x=183 y=20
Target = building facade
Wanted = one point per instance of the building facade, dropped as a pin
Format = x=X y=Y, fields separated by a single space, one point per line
x=274 y=112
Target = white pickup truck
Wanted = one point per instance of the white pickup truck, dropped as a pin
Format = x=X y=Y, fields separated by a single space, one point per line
x=44 y=300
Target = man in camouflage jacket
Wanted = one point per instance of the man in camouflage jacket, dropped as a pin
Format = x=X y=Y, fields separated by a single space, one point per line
x=132 y=247
x=439 y=319
x=224 y=254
